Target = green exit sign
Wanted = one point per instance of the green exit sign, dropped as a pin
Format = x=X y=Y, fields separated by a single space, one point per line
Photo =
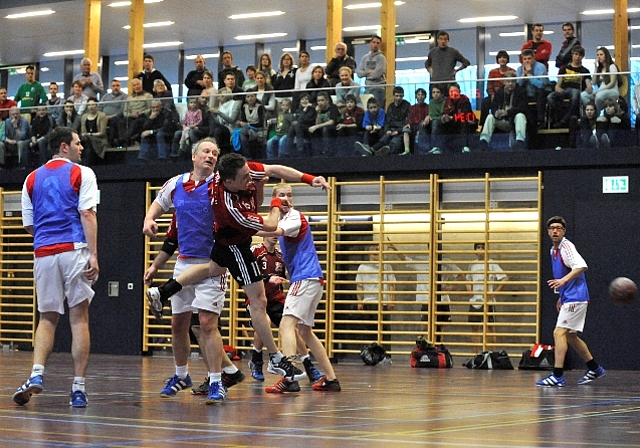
x=615 y=184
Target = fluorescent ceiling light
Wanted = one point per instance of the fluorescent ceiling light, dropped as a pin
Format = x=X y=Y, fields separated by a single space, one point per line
x=254 y=15
x=512 y=52
x=63 y=53
x=259 y=36
x=412 y=58
x=121 y=63
x=594 y=12
x=174 y=43
x=151 y=25
x=44 y=69
x=205 y=56
x=370 y=5
x=118 y=4
x=122 y=78
x=363 y=28
x=290 y=49
x=519 y=33
x=319 y=47
x=487 y=19
x=26 y=15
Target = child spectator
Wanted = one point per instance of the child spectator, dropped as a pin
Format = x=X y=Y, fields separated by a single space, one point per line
x=419 y=124
x=251 y=124
x=456 y=122
x=373 y=124
x=305 y=118
x=612 y=126
x=436 y=107
x=350 y=127
x=277 y=145
x=588 y=138
x=192 y=118
x=250 y=82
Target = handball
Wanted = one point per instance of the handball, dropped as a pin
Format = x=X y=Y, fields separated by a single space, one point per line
x=622 y=291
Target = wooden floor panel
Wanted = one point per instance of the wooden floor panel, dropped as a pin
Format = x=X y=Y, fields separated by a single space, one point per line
x=381 y=406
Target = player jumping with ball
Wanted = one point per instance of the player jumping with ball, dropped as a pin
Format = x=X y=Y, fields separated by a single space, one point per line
x=569 y=279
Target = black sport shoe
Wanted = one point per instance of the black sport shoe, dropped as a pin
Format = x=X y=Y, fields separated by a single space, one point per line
x=286 y=369
x=202 y=389
x=230 y=380
x=324 y=385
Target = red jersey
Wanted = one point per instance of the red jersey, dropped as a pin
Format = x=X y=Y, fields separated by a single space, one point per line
x=237 y=218
x=271 y=263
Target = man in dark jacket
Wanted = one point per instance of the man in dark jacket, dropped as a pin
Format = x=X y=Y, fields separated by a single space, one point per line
x=157 y=134
x=508 y=113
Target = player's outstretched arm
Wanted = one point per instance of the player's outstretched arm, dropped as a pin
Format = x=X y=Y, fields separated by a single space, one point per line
x=292 y=175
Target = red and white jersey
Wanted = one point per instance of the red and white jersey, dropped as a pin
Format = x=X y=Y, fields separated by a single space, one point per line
x=270 y=263
x=237 y=218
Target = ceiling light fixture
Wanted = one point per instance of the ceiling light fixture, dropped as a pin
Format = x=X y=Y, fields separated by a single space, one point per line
x=118 y=4
x=259 y=36
x=290 y=49
x=511 y=52
x=205 y=56
x=151 y=25
x=520 y=33
x=163 y=44
x=254 y=15
x=121 y=63
x=26 y=15
x=363 y=28
x=370 y=5
x=63 y=53
x=595 y=12
x=319 y=47
x=487 y=19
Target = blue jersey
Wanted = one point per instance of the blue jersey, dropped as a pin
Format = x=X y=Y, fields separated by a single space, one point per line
x=194 y=216
x=563 y=260
x=298 y=250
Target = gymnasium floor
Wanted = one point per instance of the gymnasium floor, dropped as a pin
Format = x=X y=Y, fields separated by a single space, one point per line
x=381 y=406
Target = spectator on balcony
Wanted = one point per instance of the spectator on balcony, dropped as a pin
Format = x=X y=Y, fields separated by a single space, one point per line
x=277 y=146
x=41 y=126
x=350 y=126
x=79 y=99
x=55 y=102
x=419 y=124
x=573 y=78
x=564 y=55
x=613 y=126
x=373 y=68
x=541 y=48
x=91 y=82
x=30 y=94
x=93 y=133
x=266 y=66
x=112 y=104
x=251 y=126
x=456 y=123
x=5 y=104
x=323 y=132
x=373 y=124
x=69 y=118
x=194 y=81
x=606 y=78
x=340 y=60
x=16 y=139
x=318 y=82
x=136 y=110
x=508 y=114
x=494 y=83
x=265 y=94
x=285 y=79
x=441 y=62
x=347 y=86
x=228 y=67
x=534 y=79
x=250 y=83
x=157 y=133
x=150 y=75
x=305 y=117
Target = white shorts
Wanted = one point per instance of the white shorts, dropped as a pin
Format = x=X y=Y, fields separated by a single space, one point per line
x=572 y=316
x=208 y=294
x=59 y=276
x=302 y=300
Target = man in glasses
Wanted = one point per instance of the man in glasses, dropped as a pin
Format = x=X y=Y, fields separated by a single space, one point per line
x=569 y=281
x=339 y=60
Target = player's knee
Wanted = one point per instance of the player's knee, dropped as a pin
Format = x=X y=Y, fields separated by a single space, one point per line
x=208 y=322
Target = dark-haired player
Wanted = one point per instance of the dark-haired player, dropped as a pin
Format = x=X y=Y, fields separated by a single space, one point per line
x=570 y=282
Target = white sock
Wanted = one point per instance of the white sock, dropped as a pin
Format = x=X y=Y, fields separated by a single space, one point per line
x=276 y=357
x=230 y=369
x=215 y=377
x=182 y=371
x=78 y=384
x=37 y=369
x=303 y=358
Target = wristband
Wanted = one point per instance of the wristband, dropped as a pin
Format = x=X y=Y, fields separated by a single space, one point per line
x=307 y=178
x=276 y=202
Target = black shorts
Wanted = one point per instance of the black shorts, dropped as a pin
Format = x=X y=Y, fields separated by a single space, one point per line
x=442 y=308
x=274 y=311
x=477 y=314
x=240 y=261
